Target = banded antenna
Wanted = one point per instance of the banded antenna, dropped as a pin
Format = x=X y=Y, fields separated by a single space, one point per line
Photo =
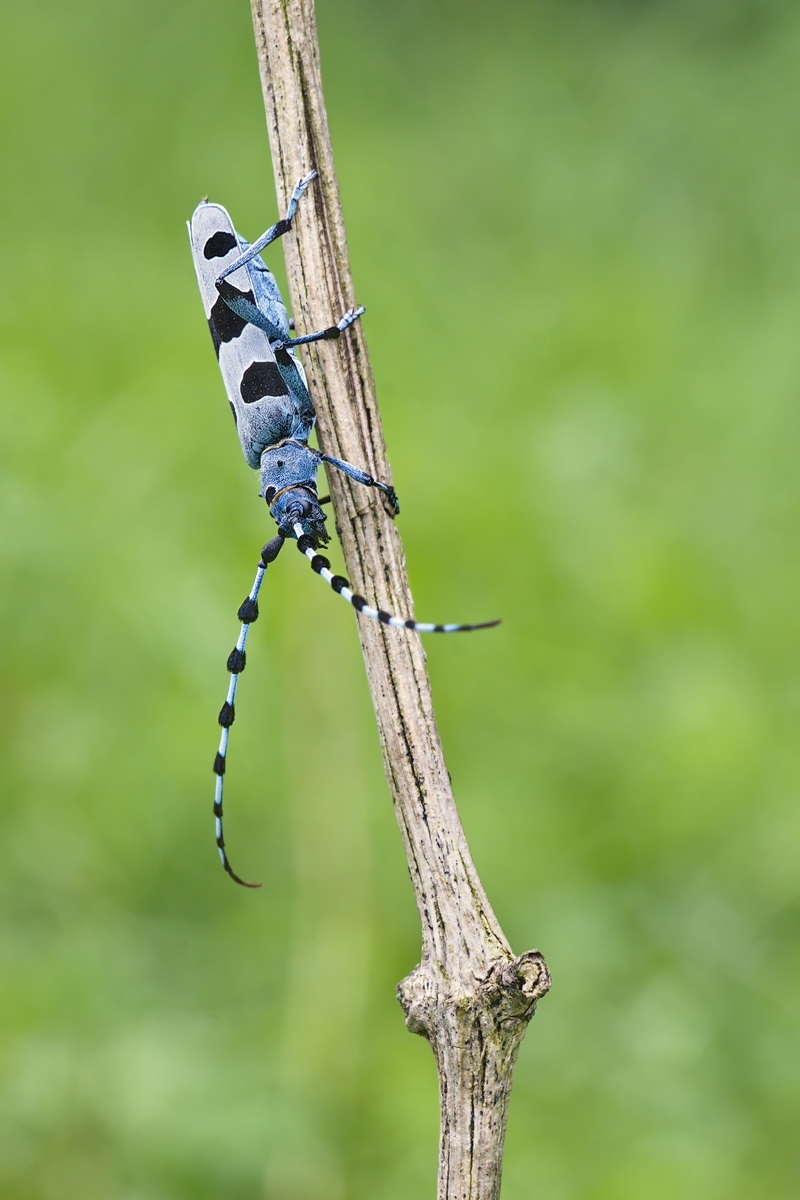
x=319 y=563
x=237 y=659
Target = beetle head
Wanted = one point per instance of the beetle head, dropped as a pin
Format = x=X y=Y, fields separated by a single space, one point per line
x=299 y=504
x=289 y=486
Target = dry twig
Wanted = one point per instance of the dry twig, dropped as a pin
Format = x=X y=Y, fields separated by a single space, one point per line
x=469 y=995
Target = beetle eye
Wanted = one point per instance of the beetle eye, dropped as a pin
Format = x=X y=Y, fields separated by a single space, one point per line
x=280 y=462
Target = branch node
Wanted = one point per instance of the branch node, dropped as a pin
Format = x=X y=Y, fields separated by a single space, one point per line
x=514 y=988
x=418 y=1001
x=505 y=998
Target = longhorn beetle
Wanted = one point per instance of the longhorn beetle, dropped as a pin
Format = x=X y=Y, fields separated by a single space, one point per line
x=274 y=415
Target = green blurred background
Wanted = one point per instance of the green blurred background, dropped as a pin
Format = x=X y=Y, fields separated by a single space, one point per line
x=576 y=229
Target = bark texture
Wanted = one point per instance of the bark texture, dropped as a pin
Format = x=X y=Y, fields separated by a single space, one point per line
x=469 y=995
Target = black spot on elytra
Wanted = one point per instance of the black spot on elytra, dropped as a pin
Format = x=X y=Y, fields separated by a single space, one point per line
x=262 y=379
x=224 y=323
x=220 y=244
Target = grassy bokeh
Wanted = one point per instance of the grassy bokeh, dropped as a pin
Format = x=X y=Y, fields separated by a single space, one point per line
x=575 y=227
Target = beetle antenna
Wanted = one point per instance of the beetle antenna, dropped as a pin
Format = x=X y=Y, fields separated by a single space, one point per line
x=319 y=563
x=248 y=613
